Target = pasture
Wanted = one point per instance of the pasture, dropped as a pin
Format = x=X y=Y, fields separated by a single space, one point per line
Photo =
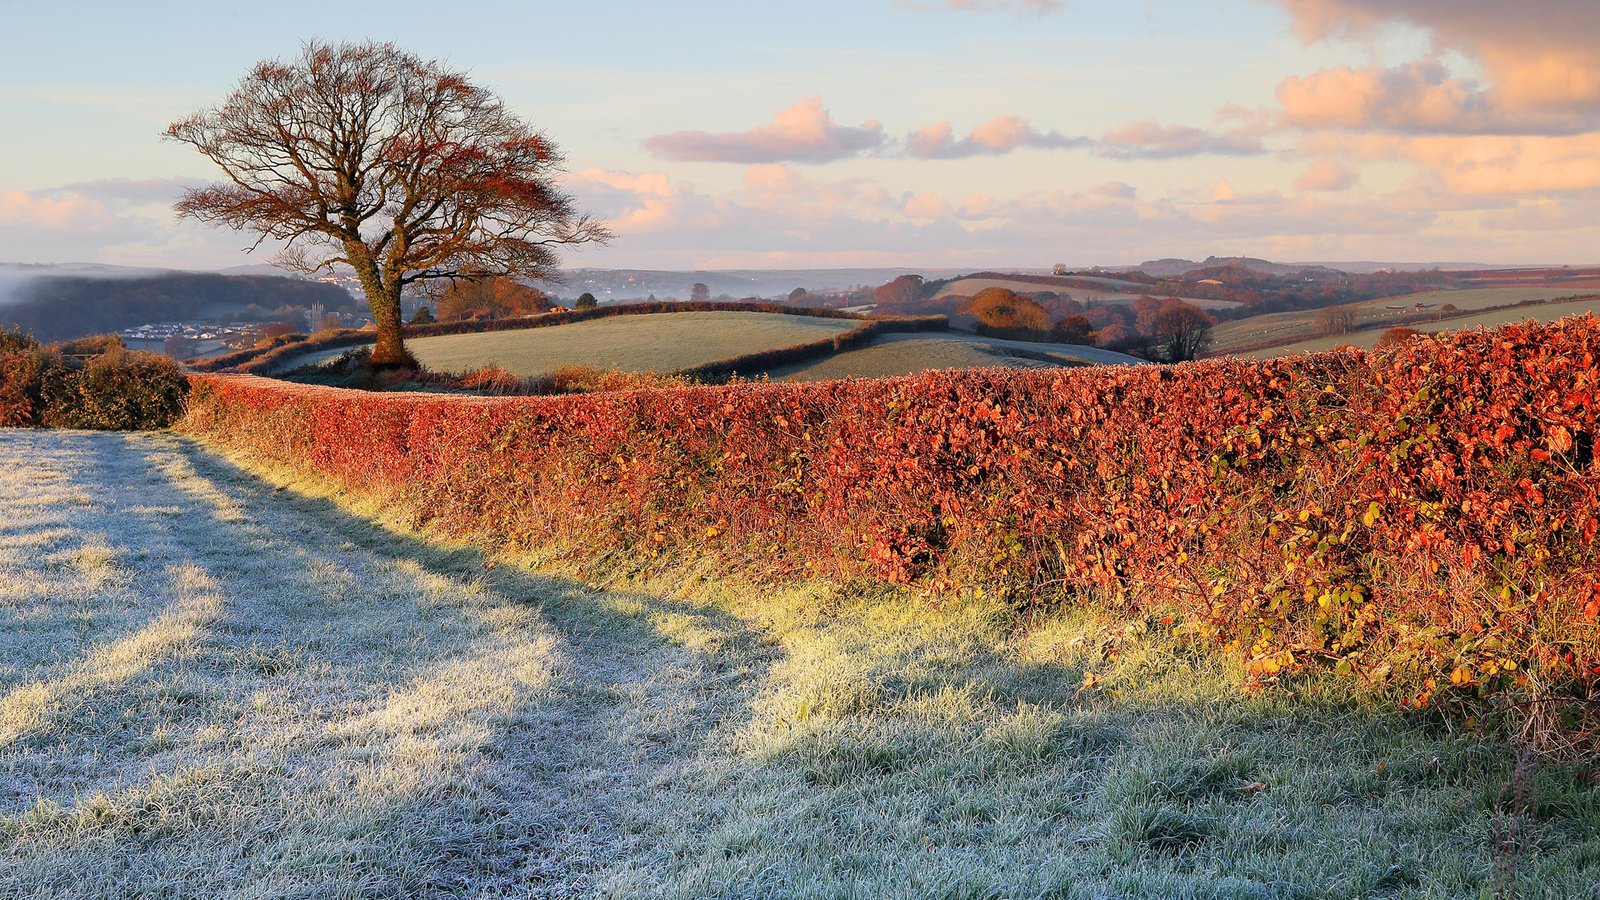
x=1365 y=339
x=214 y=684
x=659 y=342
x=907 y=354
x=1298 y=328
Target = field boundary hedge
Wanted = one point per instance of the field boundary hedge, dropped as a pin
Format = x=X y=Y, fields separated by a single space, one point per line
x=262 y=361
x=1422 y=517
x=762 y=360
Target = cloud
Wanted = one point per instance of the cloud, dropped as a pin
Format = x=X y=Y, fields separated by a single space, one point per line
x=1152 y=140
x=135 y=191
x=1539 y=56
x=1483 y=165
x=805 y=132
x=1326 y=174
x=54 y=211
x=1031 y=7
x=999 y=135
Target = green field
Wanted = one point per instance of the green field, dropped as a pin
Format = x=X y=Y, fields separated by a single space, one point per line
x=1546 y=312
x=907 y=354
x=1300 y=325
x=218 y=686
x=658 y=342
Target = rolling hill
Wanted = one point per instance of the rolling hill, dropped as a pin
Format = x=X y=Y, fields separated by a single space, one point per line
x=1279 y=334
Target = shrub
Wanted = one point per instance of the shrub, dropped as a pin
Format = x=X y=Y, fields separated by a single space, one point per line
x=1425 y=518
x=1397 y=335
x=56 y=387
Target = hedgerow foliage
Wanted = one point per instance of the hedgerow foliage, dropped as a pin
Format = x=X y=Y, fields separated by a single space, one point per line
x=87 y=383
x=1424 y=517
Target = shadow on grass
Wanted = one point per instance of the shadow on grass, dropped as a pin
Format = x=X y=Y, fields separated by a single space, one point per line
x=420 y=719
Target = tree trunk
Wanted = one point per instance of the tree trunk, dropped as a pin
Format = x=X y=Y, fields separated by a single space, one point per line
x=383 y=300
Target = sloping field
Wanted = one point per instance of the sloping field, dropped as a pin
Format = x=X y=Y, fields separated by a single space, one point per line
x=907 y=354
x=1377 y=313
x=211 y=687
x=967 y=287
x=1545 y=312
x=660 y=342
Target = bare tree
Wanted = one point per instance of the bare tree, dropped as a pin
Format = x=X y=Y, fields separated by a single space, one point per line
x=1181 y=330
x=1331 y=320
x=371 y=157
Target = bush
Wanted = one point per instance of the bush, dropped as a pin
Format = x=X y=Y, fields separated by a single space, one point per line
x=57 y=387
x=1425 y=517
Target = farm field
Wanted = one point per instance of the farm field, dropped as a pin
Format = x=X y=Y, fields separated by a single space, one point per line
x=1548 y=312
x=1301 y=324
x=906 y=354
x=213 y=684
x=967 y=287
x=660 y=342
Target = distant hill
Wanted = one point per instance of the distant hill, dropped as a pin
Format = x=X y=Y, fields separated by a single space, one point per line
x=1172 y=268
x=92 y=300
x=616 y=284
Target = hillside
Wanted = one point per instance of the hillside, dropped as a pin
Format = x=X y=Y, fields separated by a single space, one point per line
x=908 y=354
x=654 y=342
x=62 y=307
x=676 y=341
x=1109 y=291
x=1295 y=332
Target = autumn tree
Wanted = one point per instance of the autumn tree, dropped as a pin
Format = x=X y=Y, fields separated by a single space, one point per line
x=1180 y=330
x=498 y=298
x=1074 y=329
x=367 y=156
x=905 y=289
x=1007 y=313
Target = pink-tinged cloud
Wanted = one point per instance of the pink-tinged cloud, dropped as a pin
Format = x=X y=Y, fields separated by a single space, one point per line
x=997 y=136
x=805 y=132
x=1539 y=55
x=641 y=203
x=1152 y=140
x=1031 y=7
x=1326 y=174
x=64 y=212
x=1484 y=165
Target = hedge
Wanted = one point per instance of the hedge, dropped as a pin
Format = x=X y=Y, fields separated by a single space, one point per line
x=1424 y=517
x=87 y=383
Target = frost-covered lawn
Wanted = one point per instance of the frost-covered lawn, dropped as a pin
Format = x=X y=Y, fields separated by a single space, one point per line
x=211 y=685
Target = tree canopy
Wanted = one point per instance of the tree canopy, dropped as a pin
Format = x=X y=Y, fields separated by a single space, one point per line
x=497 y=297
x=367 y=156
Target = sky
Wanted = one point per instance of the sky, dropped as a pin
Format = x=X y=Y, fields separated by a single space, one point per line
x=895 y=133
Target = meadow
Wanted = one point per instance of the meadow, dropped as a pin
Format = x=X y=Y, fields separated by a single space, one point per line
x=1296 y=332
x=908 y=354
x=220 y=679
x=660 y=342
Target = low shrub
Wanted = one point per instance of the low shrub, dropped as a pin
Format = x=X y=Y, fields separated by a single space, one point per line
x=1423 y=517
x=87 y=383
